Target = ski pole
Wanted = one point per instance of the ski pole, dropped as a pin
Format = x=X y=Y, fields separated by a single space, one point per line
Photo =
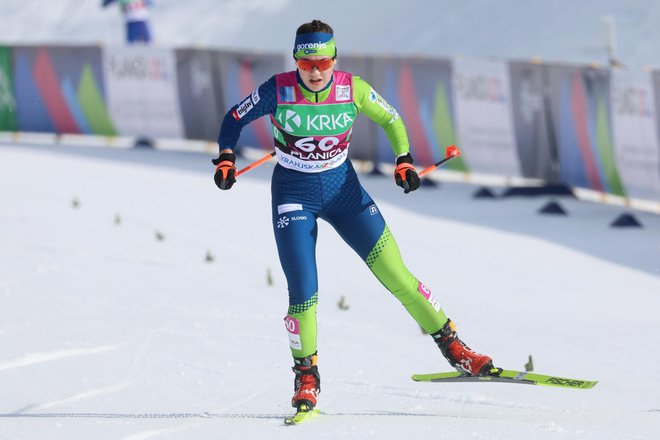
x=255 y=164
x=451 y=152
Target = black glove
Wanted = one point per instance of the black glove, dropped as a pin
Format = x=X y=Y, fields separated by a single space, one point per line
x=225 y=170
x=405 y=174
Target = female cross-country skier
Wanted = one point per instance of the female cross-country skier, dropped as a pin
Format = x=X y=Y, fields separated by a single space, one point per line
x=312 y=110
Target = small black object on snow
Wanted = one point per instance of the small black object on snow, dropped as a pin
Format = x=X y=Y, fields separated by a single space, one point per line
x=375 y=171
x=429 y=183
x=626 y=220
x=550 y=189
x=553 y=208
x=143 y=142
x=484 y=193
x=160 y=236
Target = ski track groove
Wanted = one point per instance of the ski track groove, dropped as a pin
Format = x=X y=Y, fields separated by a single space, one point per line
x=207 y=415
x=84 y=395
x=40 y=358
x=365 y=388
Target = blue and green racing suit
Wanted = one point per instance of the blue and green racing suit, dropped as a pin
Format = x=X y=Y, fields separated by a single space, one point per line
x=314 y=179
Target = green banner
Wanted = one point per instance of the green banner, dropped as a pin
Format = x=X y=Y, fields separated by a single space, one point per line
x=7 y=101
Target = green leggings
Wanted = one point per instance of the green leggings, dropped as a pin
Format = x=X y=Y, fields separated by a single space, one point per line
x=386 y=264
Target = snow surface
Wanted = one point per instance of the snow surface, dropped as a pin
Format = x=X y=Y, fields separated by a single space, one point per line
x=558 y=31
x=109 y=333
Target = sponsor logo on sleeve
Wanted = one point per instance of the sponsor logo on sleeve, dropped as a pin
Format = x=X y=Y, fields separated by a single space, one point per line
x=247 y=105
x=375 y=97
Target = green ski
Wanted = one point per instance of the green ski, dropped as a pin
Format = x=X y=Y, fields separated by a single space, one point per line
x=302 y=415
x=508 y=376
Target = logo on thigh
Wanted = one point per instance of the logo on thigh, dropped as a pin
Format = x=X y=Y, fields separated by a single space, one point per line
x=283 y=222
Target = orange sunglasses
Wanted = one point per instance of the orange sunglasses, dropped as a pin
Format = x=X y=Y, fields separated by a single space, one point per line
x=308 y=65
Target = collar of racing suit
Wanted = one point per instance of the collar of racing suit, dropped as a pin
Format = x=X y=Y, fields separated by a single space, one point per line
x=312 y=96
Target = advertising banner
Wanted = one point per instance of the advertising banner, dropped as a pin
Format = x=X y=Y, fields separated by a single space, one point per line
x=635 y=134
x=581 y=126
x=60 y=90
x=240 y=75
x=530 y=122
x=484 y=120
x=142 y=91
x=420 y=91
x=200 y=93
x=580 y=113
x=7 y=102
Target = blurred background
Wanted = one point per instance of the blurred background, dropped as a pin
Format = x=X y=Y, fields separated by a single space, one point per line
x=564 y=92
x=562 y=30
